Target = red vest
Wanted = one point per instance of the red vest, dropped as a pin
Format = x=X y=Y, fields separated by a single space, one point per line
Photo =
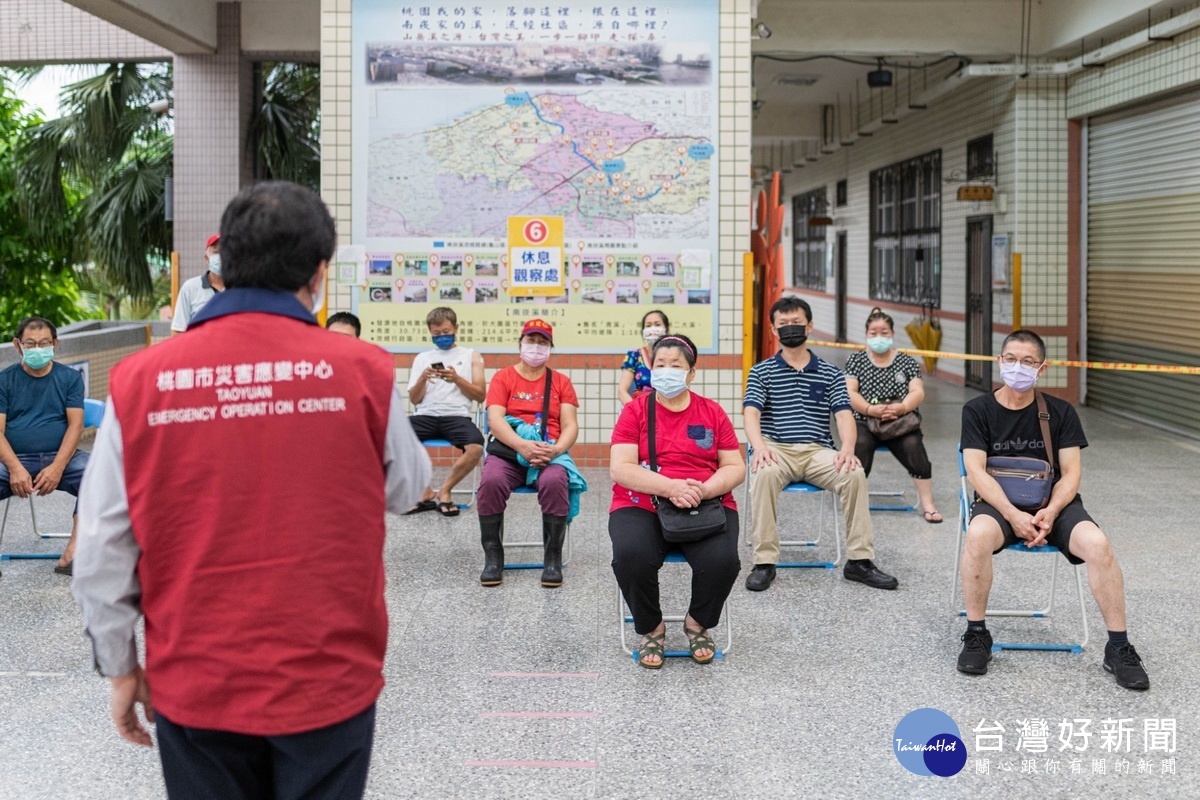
x=253 y=451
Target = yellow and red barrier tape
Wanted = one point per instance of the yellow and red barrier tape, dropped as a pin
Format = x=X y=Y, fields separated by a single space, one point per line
x=1167 y=369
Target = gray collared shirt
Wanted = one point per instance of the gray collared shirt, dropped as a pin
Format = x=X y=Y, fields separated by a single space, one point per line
x=106 y=585
x=194 y=294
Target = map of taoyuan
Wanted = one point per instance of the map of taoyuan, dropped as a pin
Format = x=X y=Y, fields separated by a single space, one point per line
x=613 y=163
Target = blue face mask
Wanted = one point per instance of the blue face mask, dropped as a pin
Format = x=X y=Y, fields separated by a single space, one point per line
x=37 y=357
x=669 y=381
x=443 y=342
x=880 y=344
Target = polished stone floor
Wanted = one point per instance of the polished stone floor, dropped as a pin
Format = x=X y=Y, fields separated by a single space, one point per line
x=523 y=692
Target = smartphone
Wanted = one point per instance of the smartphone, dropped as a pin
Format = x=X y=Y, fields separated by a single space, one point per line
x=439 y=366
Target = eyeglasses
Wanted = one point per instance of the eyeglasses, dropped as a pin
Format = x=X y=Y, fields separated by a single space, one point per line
x=1009 y=361
x=35 y=345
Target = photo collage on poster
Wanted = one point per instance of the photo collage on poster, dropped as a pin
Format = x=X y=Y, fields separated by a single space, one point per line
x=594 y=278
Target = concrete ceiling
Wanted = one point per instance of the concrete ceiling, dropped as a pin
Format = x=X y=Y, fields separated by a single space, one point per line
x=190 y=26
x=914 y=33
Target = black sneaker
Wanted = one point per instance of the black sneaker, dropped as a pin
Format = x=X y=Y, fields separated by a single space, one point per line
x=1126 y=666
x=760 y=577
x=976 y=652
x=866 y=572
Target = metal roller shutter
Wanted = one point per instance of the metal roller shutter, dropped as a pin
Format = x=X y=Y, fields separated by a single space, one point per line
x=1143 y=259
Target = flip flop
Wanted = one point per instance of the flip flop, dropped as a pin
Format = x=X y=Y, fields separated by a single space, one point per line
x=929 y=514
x=67 y=569
x=424 y=505
x=447 y=509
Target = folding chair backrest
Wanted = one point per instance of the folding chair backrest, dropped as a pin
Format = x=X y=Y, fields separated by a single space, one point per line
x=93 y=412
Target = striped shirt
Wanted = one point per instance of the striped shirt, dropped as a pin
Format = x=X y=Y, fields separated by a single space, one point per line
x=796 y=404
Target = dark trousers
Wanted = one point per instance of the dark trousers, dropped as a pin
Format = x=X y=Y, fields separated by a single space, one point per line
x=329 y=763
x=909 y=450
x=638 y=553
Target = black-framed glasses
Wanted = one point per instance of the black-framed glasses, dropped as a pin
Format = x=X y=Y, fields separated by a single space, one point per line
x=1009 y=361
x=36 y=345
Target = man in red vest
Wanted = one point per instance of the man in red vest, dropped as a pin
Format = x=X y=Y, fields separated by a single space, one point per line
x=236 y=498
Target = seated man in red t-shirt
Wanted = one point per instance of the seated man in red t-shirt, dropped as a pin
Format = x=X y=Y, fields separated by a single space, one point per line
x=519 y=391
x=698 y=457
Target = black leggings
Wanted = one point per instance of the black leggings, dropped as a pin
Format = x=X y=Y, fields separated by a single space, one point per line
x=638 y=553
x=909 y=450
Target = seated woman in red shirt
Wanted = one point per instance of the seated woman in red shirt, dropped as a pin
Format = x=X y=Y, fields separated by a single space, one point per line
x=698 y=458
x=519 y=392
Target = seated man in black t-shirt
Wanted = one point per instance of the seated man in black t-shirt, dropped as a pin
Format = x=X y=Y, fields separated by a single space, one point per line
x=1006 y=423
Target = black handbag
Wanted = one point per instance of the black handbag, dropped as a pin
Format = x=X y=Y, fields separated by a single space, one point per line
x=894 y=428
x=497 y=448
x=1027 y=482
x=683 y=524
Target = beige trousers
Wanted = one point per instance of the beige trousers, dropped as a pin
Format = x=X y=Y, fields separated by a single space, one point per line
x=811 y=463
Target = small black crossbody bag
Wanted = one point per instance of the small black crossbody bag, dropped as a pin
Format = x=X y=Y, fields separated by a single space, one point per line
x=683 y=524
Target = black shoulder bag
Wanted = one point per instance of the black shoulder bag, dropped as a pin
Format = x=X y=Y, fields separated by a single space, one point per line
x=683 y=524
x=495 y=447
x=1027 y=482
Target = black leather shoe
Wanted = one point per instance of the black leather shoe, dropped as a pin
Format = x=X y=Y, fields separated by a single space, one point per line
x=976 y=652
x=1126 y=666
x=866 y=572
x=759 y=579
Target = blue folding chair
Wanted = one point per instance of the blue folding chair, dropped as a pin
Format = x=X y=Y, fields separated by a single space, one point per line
x=674 y=556
x=93 y=415
x=1046 y=611
x=831 y=506
x=890 y=506
x=537 y=544
x=437 y=444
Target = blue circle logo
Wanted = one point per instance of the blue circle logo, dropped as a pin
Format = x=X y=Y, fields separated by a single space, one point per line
x=927 y=742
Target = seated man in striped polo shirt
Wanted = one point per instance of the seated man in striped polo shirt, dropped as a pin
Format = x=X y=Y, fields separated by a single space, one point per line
x=789 y=398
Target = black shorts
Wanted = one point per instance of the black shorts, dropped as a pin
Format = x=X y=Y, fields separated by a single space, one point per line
x=458 y=431
x=1060 y=535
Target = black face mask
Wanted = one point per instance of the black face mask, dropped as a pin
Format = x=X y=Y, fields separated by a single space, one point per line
x=792 y=335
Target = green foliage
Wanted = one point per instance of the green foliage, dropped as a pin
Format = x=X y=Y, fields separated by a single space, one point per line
x=35 y=266
x=92 y=181
x=285 y=130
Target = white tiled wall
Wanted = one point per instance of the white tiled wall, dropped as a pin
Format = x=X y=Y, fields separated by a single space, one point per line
x=1029 y=132
x=51 y=31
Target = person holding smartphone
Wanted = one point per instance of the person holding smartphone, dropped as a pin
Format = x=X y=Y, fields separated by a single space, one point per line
x=442 y=385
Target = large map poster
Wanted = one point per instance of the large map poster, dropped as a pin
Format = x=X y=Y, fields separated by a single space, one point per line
x=468 y=113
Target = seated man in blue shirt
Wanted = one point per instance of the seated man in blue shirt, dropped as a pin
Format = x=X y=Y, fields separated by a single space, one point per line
x=789 y=398
x=41 y=420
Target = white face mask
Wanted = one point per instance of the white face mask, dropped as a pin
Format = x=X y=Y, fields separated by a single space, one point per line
x=214 y=263
x=669 y=381
x=653 y=333
x=318 y=296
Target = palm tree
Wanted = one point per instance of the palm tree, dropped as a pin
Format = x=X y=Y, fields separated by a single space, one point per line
x=285 y=129
x=101 y=169
x=35 y=278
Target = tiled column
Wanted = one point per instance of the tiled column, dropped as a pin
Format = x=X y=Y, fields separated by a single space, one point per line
x=210 y=123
